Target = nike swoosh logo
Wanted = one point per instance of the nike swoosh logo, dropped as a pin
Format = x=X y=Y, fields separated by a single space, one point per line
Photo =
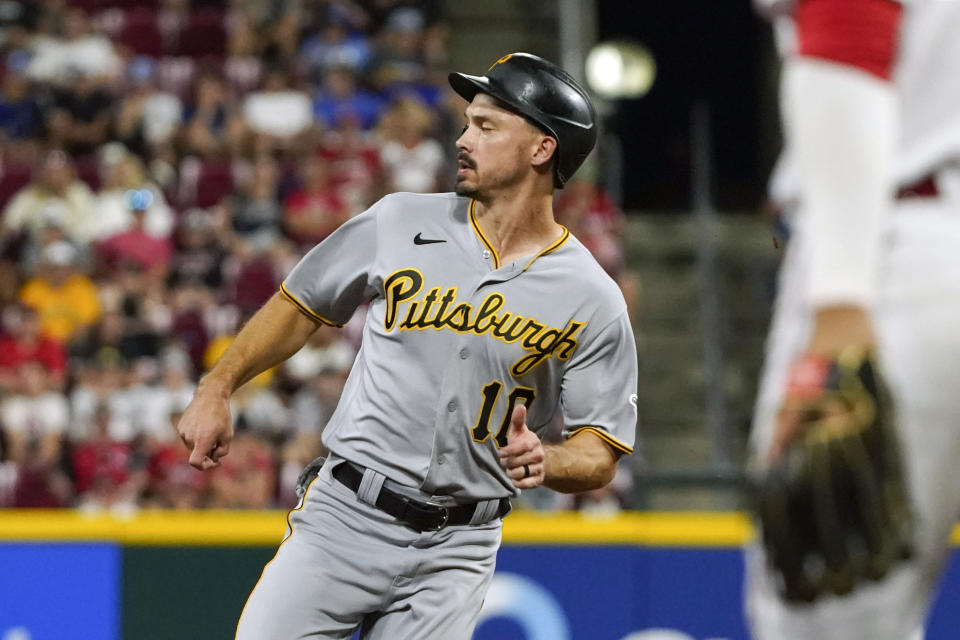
x=418 y=240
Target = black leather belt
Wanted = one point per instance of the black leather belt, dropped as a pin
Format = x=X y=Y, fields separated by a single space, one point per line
x=420 y=516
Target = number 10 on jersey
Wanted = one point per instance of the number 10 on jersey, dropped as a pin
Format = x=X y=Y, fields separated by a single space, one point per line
x=491 y=393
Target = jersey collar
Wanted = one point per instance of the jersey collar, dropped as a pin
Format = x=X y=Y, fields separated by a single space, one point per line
x=493 y=252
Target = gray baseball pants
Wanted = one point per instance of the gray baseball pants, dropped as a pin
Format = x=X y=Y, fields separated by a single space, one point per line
x=346 y=565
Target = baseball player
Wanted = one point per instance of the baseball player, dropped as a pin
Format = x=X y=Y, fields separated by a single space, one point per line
x=870 y=96
x=485 y=318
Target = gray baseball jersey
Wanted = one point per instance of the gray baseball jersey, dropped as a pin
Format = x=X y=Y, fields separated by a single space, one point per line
x=454 y=340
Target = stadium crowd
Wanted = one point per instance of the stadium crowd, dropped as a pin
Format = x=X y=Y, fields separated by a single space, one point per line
x=162 y=166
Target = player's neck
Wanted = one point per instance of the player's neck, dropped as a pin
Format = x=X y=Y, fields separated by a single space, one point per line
x=518 y=226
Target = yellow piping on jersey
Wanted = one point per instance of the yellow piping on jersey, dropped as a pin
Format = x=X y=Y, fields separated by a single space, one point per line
x=310 y=313
x=603 y=435
x=553 y=247
x=493 y=252
x=483 y=238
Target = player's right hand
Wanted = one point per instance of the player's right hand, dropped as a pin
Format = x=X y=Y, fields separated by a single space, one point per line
x=206 y=428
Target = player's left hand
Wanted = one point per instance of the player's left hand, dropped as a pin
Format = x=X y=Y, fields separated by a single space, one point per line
x=523 y=457
x=833 y=503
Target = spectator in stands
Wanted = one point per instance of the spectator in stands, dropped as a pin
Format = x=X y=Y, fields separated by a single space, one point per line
x=200 y=252
x=148 y=119
x=136 y=247
x=594 y=218
x=18 y=20
x=355 y=165
x=304 y=444
x=399 y=65
x=212 y=126
x=335 y=46
x=257 y=215
x=51 y=230
x=314 y=210
x=326 y=350
x=314 y=403
x=171 y=395
x=23 y=341
x=136 y=314
x=20 y=114
x=79 y=117
x=122 y=172
x=256 y=279
x=248 y=480
x=96 y=378
x=412 y=160
x=339 y=97
x=126 y=398
x=173 y=483
x=57 y=184
x=192 y=306
x=77 y=50
x=278 y=114
x=243 y=67
x=34 y=422
x=264 y=411
x=108 y=473
x=65 y=298
x=436 y=49
x=591 y=215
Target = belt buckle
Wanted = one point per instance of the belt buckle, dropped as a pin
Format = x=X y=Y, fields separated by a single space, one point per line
x=446 y=517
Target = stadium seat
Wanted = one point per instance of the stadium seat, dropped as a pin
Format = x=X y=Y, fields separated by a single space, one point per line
x=127 y=4
x=88 y=170
x=203 y=37
x=204 y=184
x=141 y=34
x=12 y=179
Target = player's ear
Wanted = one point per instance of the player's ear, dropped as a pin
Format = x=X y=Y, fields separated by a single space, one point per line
x=546 y=148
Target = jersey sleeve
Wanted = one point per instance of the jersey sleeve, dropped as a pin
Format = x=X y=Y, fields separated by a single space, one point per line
x=862 y=34
x=333 y=279
x=599 y=392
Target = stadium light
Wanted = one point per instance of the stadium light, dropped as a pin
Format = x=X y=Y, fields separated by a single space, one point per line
x=620 y=69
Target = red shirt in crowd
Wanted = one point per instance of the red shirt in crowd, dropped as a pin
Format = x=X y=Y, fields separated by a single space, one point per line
x=98 y=463
x=135 y=247
x=14 y=352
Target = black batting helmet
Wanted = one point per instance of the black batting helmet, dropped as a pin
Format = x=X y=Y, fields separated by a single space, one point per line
x=546 y=95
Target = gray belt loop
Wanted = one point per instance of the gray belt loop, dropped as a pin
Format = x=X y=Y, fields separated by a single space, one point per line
x=370 y=486
x=485 y=511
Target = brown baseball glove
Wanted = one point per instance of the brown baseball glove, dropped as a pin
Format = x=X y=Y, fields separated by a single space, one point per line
x=833 y=505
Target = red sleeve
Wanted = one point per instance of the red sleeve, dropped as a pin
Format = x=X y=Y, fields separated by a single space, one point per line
x=858 y=33
x=53 y=355
x=10 y=353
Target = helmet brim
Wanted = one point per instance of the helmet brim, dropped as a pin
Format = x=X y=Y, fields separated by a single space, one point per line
x=467 y=87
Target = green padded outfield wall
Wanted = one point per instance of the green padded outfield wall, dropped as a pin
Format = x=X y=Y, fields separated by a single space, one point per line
x=182 y=593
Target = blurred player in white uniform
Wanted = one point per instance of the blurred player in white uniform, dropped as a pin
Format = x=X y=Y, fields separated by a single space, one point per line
x=870 y=178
